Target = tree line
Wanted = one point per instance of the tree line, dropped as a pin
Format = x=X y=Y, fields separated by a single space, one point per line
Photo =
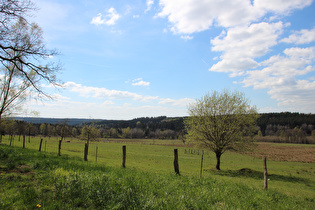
x=292 y=127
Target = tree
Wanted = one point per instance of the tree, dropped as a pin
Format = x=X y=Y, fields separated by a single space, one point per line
x=62 y=130
x=24 y=57
x=43 y=129
x=218 y=121
x=88 y=133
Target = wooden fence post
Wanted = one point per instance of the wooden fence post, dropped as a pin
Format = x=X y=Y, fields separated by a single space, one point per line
x=201 y=164
x=59 y=148
x=40 y=145
x=23 y=141
x=86 y=149
x=176 y=166
x=265 y=174
x=96 y=150
x=45 y=144
x=124 y=156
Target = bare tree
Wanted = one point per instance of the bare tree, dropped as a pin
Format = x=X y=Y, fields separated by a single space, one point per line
x=25 y=60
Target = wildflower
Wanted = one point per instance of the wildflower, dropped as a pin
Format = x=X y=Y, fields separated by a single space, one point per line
x=38 y=206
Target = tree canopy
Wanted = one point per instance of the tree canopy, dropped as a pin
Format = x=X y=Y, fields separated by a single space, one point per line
x=219 y=121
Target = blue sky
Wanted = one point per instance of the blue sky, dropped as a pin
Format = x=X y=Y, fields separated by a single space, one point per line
x=142 y=58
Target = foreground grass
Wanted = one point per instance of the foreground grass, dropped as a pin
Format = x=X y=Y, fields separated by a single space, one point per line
x=293 y=178
x=30 y=179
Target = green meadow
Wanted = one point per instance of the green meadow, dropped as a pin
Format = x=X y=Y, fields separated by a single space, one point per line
x=33 y=179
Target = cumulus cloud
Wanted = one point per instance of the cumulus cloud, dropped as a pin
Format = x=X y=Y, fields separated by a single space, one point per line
x=190 y=16
x=149 y=5
x=109 y=19
x=240 y=45
x=140 y=82
x=184 y=102
x=97 y=92
x=279 y=75
x=301 y=37
x=249 y=35
x=109 y=104
x=187 y=37
x=281 y=6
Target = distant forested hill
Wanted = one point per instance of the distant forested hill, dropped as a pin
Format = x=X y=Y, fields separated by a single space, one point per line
x=69 y=121
x=268 y=123
x=272 y=122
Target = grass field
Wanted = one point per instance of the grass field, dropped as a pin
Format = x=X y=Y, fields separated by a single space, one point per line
x=290 y=177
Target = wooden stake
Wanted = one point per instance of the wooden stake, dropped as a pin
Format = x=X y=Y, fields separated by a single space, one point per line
x=23 y=141
x=201 y=165
x=96 y=150
x=176 y=166
x=124 y=156
x=86 y=149
x=40 y=145
x=59 y=148
x=265 y=174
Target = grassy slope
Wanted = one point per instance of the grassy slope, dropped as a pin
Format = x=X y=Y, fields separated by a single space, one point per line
x=30 y=178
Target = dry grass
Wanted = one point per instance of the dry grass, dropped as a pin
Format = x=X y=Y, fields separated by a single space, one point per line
x=285 y=152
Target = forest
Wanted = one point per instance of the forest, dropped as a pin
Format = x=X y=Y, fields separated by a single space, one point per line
x=284 y=127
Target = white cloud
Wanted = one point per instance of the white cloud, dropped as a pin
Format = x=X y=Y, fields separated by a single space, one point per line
x=107 y=109
x=281 y=6
x=190 y=16
x=140 y=82
x=297 y=97
x=85 y=91
x=240 y=45
x=301 y=37
x=184 y=102
x=110 y=18
x=149 y=5
x=279 y=75
x=186 y=37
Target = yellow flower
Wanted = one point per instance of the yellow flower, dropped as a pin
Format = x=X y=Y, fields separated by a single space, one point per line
x=38 y=206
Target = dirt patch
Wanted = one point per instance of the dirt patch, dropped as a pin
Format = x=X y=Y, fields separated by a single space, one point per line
x=294 y=153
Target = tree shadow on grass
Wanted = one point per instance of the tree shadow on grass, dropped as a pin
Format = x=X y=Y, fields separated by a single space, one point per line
x=249 y=173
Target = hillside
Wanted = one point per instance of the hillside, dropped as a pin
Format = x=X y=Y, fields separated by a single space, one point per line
x=69 y=121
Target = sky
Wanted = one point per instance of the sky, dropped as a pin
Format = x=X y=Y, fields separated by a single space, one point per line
x=124 y=59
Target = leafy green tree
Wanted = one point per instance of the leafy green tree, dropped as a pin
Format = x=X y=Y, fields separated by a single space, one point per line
x=74 y=132
x=43 y=129
x=62 y=130
x=218 y=121
x=89 y=132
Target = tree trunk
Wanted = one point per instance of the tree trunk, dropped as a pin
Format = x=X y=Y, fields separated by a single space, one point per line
x=124 y=156
x=176 y=166
x=218 y=156
x=23 y=141
x=59 y=148
x=86 y=151
x=40 y=145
